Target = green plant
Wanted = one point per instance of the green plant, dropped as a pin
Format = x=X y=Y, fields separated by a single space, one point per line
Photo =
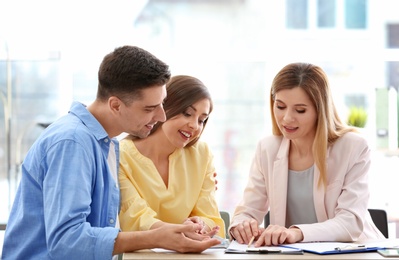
x=357 y=117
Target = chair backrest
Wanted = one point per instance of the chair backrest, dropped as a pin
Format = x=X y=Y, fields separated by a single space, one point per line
x=380 y=219
x=226 y=218
x=266 y=220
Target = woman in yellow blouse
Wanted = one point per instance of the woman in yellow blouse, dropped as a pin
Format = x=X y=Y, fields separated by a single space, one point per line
x=168 y=177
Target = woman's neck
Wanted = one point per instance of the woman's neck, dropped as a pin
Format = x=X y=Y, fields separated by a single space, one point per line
x=300 y=155
x=156 y=146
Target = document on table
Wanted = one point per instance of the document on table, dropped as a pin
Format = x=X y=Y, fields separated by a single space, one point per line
x=237 y=248
x=327 y=248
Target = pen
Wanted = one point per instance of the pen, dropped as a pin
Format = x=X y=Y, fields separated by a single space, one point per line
x=263 y=251
x=250 y=241
x=350 y=247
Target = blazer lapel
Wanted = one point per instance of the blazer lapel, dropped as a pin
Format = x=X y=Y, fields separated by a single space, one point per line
x=279 y=181
x=319 y=193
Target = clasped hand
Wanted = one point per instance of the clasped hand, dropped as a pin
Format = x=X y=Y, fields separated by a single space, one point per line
x=272 y=235
x=203 y=231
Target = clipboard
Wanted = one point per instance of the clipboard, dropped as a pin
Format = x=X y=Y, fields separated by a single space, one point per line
x=237 y=248
x=328 y=248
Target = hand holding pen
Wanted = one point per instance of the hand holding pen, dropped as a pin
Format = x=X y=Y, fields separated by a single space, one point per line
x=246 y=231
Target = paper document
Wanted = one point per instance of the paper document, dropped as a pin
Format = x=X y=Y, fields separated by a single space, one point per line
x=326 y=248
x=237 y=248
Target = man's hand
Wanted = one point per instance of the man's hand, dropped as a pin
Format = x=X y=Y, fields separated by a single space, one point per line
x=166 y=236
x=172 y=237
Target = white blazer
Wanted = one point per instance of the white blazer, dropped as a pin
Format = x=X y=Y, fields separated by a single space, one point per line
x=341 y=205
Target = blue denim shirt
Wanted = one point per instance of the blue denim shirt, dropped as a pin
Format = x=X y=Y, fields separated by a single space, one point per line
x=67 y=201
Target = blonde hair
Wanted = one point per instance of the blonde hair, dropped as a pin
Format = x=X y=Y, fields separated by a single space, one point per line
x=329 y=127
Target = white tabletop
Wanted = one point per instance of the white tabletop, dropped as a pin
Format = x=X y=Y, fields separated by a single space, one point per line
x=219 y=254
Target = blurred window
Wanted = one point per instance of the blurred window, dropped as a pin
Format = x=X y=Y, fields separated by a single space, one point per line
x=355 y=14
x=297 y=14
x=326 y=13
x=304 y=14
x=393 y=36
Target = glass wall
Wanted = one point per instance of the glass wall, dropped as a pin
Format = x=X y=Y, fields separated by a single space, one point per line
x=31 y=99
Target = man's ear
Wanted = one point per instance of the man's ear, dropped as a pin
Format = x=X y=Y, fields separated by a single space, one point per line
x=114 y=103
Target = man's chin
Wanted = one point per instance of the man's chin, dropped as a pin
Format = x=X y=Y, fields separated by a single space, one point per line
x=141 y=135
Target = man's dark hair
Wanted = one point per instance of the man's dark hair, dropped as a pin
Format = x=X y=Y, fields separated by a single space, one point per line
x=127 y=70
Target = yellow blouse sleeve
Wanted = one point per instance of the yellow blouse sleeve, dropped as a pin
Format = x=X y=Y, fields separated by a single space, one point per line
x=206 y=206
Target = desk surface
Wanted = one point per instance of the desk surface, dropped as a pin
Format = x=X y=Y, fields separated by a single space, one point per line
x=219 y=254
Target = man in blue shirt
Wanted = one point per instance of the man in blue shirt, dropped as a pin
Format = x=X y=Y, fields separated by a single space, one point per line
x=67 y=203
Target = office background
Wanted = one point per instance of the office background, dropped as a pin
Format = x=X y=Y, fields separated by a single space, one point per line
x=50 y=52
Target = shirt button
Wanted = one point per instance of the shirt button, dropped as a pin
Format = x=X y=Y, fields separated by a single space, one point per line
x=111 y=221
x=106 y=140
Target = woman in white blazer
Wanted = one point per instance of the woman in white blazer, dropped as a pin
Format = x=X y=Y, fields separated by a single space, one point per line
x=312 y=173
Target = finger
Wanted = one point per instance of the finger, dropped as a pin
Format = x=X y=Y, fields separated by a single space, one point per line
x=261 y=240
x=211 y=233
x=276 y=236
x=267 y=235
x=248 y=232
x=210 y=242
x=282 y=238
x=254 y=227
x=196 y=220
x=188 y=221
x=286 y=235
x=196 y=236
x=195 y=228
x=236 y=234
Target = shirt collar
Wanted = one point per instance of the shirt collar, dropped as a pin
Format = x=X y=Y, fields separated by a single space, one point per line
x=80 y=111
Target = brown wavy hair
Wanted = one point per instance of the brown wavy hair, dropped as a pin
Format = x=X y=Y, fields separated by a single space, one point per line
x=182 y=92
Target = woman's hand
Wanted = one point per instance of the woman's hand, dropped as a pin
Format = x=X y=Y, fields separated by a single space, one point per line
x=216 y=181
x=204 y=231
x=245 y=231
x=277 y=235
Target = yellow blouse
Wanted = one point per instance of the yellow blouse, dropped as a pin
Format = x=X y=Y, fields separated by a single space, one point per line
x=191 y=190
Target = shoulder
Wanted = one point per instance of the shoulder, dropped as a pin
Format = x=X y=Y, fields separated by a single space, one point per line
x=63 y=139
x=126 y=143
x=350 y=144
x=351 y=139
x=269 y=142
x=200 y=148
x=67 y=128
x=200 y=151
